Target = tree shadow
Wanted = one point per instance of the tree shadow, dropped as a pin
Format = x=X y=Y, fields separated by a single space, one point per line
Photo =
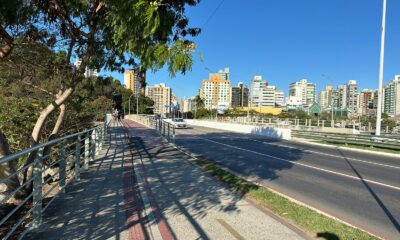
x=93 y=208
x=327 y=236
x=185 y=190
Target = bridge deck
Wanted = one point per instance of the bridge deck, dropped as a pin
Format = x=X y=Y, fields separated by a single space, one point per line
x=143 y=188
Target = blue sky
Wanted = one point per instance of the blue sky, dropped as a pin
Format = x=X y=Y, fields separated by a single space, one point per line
x=286 y=40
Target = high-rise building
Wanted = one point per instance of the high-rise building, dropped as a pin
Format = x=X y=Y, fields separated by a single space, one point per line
x=325 y=97
x=225 y=75
x=341 y=97
x=216 y=91
x=188 y=105
x=279 y=98
x=391 y=93
x=161 y=95
x=264 y=95
x=303 y=90
x=88 y=72
x=352 y=96
x=131 y=80
x=366 y=102
x=239 y=96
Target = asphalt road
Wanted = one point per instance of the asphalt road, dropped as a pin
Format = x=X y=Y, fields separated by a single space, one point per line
x=360 y=188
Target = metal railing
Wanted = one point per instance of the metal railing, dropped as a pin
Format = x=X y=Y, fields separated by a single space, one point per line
x=353 y=139
x=49 y=169
x=163 y=127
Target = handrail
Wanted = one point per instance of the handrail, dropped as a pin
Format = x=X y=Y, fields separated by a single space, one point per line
x=42 y=145
x=82 y=146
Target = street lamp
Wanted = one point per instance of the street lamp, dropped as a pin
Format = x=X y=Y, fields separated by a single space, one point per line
x=137 y=103
x=379 y=107
x=129 y=105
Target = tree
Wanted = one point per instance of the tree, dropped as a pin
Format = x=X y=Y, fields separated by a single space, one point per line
x=102 y=34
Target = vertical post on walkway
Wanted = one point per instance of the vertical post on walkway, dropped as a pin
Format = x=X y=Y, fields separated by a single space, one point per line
x=78 y=158
x=63 y=167
x=87 y=151
x=92 y=145
x=169 y=137
x=37 y=190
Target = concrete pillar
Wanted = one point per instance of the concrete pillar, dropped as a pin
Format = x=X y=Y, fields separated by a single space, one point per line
x=310 y=122
x=323 y=123
x=369 y=127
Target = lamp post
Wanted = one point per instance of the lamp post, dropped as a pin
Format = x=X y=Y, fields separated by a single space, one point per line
x=137 y=103
x=382 y=56
x=129 y=105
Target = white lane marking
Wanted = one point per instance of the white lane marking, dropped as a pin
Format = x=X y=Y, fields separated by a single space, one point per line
x=305 y=165
x=311 y=151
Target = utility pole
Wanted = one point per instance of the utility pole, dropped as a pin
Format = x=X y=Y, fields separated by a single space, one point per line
x=382 y=57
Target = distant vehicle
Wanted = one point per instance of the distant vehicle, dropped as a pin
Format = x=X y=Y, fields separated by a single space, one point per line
x=179 y=123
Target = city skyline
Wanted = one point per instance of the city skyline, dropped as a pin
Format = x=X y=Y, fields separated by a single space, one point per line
x=330 y=42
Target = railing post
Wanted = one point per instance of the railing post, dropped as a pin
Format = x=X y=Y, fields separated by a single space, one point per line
x=323 y=123
x=78 y=158
x=63 y=167
x=37 y=190
x=87 y=151
x=92 y=145
x=163 y=128
x=97 y=141
x=169 y=138
x=173 y=133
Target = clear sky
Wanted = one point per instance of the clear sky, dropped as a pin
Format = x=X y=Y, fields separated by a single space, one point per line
x=286 y=40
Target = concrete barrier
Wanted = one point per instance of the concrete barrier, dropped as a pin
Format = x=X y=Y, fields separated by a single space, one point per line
x=278 y=133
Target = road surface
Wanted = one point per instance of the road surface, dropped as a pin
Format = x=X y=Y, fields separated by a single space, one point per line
x=360 y=188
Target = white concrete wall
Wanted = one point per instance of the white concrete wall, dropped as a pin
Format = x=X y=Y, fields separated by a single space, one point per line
x=279 y=133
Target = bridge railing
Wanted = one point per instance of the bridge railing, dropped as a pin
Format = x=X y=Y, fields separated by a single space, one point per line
x=163 y=127
x=56 y=163
x=384 y=142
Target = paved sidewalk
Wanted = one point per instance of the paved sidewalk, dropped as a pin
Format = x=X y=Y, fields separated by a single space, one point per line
x=189 y=203
x=103 y=204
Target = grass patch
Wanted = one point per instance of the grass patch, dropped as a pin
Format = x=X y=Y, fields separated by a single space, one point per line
x=311 y=221
x=376 y=149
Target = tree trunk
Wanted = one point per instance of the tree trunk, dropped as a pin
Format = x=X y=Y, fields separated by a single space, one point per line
x=37 y=130
x=54 y=134
x=8 y=168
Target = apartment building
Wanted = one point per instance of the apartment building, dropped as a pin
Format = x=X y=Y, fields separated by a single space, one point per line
x=304 y=91
x=161 y=95
x=391 y=93
x=131 y=80
x=239 y=96
x=216 y=91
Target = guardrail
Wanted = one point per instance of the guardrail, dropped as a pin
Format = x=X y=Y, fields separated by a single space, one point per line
x=353 y=139
x=50 y=169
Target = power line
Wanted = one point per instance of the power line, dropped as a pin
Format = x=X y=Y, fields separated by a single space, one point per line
x=212 y=14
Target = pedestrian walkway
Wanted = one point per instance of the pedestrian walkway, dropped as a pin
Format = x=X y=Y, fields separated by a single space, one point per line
x=143 y=188
x=193 y=204
x=103 y=204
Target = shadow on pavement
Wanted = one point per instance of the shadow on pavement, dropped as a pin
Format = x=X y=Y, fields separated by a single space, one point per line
x=92 y=208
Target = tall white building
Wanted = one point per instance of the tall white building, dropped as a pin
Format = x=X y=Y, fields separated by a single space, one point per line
x=391 y=94
x=325 y=97
x=352 y=96
x=264 y=95
x=88 y=72
x=303 y=90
